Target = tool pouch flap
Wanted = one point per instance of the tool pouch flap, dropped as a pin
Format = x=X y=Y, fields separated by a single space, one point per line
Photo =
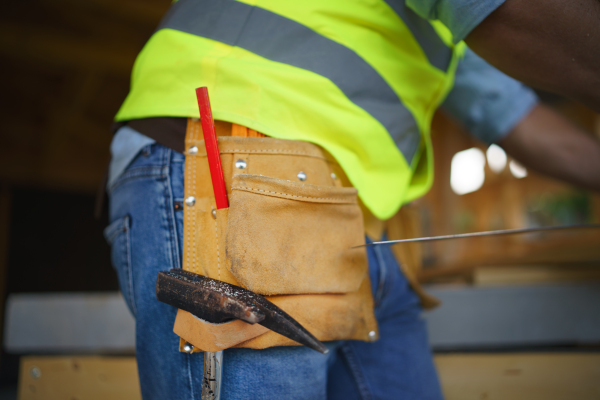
x=286 y=237
x=214 y=337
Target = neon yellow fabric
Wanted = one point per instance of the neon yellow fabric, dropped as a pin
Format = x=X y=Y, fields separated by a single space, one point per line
x=287 y=102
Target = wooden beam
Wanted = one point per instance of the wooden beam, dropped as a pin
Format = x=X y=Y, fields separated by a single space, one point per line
x=64 y=50
x=147 y=12
x=520 y=376
x=90 y=378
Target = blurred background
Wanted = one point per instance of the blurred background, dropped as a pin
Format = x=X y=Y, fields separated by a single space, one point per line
x=520 y=316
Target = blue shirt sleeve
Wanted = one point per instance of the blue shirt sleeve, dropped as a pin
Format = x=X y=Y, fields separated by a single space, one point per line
x=459 y=16
x=488 y=102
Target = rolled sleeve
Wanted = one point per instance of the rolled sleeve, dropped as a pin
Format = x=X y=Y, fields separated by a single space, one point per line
x=488 y=102
x=459 y=16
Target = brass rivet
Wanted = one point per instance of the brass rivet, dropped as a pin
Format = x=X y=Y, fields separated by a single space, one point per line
x=193 y=150
x=301 y=176
x=372 y=336
x=214 y=213
x=333 y=175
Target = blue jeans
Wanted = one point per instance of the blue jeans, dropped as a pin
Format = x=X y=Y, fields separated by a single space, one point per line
x=146 y=237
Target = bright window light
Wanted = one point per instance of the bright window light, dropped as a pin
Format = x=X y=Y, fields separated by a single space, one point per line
x=466 y=172
x=517 y=169
x=496 y=158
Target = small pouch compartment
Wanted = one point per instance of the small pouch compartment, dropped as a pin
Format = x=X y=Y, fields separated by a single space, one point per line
x=286 y=237
x=207 y=336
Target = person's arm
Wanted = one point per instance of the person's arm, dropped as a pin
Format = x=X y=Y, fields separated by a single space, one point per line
x=549 y=44
x=548 y=143
x=487 y=102
x=495 y=108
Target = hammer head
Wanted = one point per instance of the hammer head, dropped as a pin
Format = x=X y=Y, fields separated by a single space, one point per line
x=206 y=298
x=216 y=301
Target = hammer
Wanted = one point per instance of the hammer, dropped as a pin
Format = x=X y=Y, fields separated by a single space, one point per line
x=218 y=302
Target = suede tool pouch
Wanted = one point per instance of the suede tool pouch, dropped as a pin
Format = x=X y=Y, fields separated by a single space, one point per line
x=281 y=237
x=286 y=237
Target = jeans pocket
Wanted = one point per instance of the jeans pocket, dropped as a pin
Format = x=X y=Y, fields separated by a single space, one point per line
x=117 y=234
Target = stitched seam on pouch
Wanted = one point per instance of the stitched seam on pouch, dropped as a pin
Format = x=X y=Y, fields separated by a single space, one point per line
x=195 y=169
x=292 y=195
x=186 y=226
x=191 y=220
x=268 y=151
x=218 y=254
x=302 y=153
x=192 y=174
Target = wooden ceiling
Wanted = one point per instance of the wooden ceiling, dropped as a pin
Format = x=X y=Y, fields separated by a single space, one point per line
x=65 y=69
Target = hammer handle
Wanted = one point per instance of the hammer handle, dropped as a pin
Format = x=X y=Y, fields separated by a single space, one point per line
x=211 y=382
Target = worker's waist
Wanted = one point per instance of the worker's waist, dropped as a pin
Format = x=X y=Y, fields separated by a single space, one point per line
x=170 y=132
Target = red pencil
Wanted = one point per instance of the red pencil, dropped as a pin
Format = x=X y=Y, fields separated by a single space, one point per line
x=212 y=148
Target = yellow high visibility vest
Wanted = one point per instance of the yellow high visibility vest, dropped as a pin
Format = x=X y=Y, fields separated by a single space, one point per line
x=361 y=78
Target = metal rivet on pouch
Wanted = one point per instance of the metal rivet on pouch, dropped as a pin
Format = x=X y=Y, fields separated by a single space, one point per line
x=35 y=372
x=302 y=176
x=190 y=201
x=214 y=213
x=372 y=336
x=188 y=347
x=193 y=150
x=333 y=175
x=240 y=164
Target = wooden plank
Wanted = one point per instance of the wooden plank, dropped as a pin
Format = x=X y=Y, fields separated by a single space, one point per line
x=534 y=274
x=64 y=50
x=81 y=378
x=514 y=376
x=502 y=202
x=521 y=376
x=526 y=376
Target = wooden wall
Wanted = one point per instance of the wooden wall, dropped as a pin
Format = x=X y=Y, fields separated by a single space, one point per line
x=503 y=202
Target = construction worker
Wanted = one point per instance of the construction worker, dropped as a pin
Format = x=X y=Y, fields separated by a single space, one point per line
x=360 y=80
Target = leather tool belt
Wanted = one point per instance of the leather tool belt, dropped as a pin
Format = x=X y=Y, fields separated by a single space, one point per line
x=287 y=234
x=325 y=309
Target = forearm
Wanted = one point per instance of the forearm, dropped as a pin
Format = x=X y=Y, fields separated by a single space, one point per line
x=548 y=143
x=549 y=44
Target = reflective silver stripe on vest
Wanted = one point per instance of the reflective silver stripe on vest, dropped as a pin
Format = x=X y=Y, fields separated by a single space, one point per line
x=436 y=51
x=280 y=39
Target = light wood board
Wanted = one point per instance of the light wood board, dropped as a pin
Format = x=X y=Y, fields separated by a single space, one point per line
x=78 y=378
x=520 y=376
x=534 y=274
x=508 y=376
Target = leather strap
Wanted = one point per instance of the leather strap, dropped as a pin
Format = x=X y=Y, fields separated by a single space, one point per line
x=170 y=131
